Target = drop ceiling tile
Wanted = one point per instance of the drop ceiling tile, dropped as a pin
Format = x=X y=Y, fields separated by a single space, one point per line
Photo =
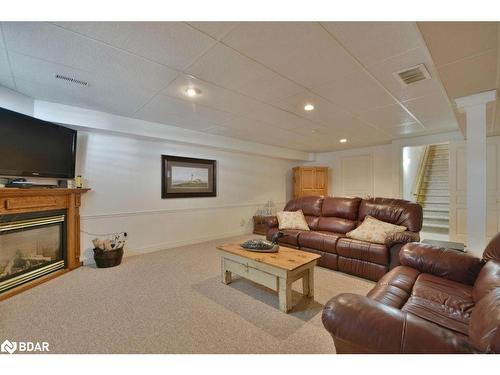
x=216 y=30
x=2 y=45
x=431 y=109
x=387 y=117
x=357 y=91
x=383 y=72
x=325 y=113
x=210 y=95
x=177 y=112
x=4 y=63
x=214 y=96
x=452 y=41
x=174 y=44
x=408 y=129
x=36 y=78
x=301 y=51
x=230 y=69
x=260 y=133
x=375 y=41
x=470 y=75
x=52 y=43
x=7 y=81
x=278 y=117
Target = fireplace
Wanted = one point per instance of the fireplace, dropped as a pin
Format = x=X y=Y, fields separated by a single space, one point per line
x=32 y=245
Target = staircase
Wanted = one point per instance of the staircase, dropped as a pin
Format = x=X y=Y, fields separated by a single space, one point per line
x=432 y=190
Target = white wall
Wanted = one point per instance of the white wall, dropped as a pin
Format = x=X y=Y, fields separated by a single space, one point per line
x=125 y=176
x=361 y=172
x=412 y=156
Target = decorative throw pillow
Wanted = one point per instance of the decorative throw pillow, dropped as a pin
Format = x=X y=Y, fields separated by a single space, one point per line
x=292 y=220
x=373 y=230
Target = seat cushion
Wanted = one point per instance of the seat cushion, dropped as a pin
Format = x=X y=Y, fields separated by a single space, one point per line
x=370 y=252
x=322 y=241
x=361 y=268
x=441 y=301
x=395 y=287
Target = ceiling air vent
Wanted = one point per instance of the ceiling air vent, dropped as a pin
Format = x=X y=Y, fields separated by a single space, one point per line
x=411 y=75
x=72 y=80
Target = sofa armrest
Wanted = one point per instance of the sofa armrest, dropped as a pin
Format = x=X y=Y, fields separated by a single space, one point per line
x=271 y=222
x=447 y=263
x=401 y=238
x=360 y=324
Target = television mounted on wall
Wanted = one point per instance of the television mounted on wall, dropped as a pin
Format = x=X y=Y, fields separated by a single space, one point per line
x=30 y=147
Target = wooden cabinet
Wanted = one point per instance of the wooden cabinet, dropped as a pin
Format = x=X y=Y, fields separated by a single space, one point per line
x=310 y=181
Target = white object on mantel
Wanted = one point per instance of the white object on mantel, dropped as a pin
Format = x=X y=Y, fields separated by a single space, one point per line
x=475 y=111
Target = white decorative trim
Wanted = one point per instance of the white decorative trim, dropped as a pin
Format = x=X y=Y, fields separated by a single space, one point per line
x=171 y=210
x=476 y=99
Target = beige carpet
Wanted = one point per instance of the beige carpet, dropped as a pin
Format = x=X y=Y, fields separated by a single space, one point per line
x=171 y=301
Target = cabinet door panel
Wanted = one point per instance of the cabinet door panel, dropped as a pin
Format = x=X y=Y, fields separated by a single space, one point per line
x=308 y=177
x=321 y=178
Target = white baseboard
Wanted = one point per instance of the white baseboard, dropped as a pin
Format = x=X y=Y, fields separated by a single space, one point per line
x=172 y=244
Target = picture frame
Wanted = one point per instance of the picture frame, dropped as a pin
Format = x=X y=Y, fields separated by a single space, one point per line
x=183 y=177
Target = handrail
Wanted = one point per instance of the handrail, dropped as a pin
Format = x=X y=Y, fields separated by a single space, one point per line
x=421 y=171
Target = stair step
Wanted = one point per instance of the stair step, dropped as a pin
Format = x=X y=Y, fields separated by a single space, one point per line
x=436 y=207
x=436 y=217
x=436 y=177
x=431 y=190
x=436 y=212
x=434 y=193
x=436 y=201
x=431 y=225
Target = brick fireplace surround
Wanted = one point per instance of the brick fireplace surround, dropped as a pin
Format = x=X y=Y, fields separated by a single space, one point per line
x=22 y=201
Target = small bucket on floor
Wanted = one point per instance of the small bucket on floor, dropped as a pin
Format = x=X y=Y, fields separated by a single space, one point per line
x=108 y=258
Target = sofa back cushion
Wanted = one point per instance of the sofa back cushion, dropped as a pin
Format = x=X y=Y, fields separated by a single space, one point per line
x=394 y=211
x=310 y=206
x=339 y=214
x=343 y=207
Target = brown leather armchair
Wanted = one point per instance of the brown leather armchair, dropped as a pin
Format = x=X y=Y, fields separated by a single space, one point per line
x=437 y=301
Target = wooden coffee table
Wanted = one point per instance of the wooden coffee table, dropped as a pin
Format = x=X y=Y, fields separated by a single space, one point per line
x=277 y=271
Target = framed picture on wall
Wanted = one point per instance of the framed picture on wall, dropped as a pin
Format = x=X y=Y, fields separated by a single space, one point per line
x=187 y=177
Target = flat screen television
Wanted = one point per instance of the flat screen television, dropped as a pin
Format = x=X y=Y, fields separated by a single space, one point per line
x=35 y=148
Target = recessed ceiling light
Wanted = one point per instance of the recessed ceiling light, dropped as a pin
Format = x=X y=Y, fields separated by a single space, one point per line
x=343 y=140
x=192 y=91
x=308 y=107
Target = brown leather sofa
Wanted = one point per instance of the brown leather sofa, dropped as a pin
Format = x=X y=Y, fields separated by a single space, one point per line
x=330 y=218
x=437 y=301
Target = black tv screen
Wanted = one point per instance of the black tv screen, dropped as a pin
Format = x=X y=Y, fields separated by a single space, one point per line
x=32 y=147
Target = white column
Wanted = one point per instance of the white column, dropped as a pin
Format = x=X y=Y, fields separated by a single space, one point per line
x=475 y=110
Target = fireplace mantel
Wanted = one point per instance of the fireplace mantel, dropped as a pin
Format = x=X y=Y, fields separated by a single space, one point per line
x=18 y=201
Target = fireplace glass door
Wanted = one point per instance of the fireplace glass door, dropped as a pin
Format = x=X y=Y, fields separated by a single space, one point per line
x=30 y=247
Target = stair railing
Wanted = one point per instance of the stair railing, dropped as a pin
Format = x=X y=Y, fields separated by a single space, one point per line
x=421 y=173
